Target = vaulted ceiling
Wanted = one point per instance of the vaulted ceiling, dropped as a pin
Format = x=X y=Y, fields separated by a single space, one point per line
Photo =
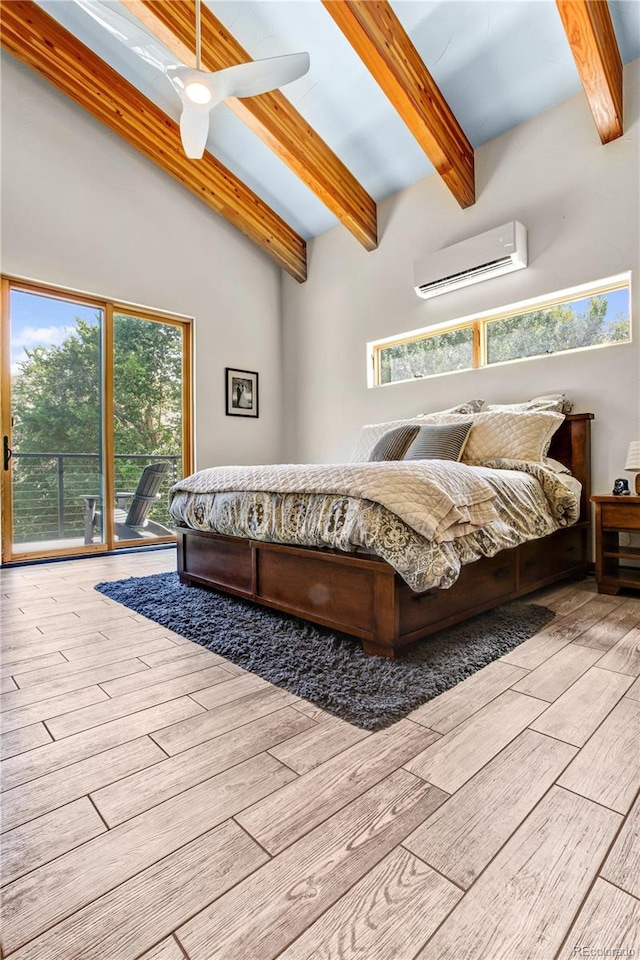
x=395 y=91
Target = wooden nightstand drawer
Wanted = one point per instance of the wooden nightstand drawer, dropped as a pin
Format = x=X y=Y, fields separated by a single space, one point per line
x=621 y=516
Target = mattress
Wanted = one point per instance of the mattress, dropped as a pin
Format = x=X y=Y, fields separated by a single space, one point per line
x=526 y=501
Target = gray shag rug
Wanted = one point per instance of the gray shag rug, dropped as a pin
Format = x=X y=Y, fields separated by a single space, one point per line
x=328 y=668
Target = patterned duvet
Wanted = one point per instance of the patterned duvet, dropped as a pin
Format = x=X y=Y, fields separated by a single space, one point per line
x=483 y=508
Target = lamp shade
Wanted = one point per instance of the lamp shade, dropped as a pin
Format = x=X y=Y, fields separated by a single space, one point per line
x=633 y=456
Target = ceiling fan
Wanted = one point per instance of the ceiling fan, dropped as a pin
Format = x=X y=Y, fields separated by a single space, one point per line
x=199 y=90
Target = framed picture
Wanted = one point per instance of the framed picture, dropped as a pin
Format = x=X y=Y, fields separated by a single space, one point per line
x=241 y=392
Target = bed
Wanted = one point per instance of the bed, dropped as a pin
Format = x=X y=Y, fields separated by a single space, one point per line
x=360 y=593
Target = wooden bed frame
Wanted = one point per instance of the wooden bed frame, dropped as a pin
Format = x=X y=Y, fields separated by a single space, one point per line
x=362 y=595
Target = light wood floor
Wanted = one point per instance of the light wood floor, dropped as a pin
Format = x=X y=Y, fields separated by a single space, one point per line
x=159 y=802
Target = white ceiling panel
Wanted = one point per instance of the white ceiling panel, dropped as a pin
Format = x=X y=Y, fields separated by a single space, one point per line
x=497 y=62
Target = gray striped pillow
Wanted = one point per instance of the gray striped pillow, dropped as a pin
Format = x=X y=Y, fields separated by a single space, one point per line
x=439 y=441
x=394 y=444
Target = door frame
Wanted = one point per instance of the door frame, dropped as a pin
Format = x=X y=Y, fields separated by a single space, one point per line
x=109 y=308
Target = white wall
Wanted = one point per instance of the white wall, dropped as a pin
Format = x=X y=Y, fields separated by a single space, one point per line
x=579 y=201
x=82 y=209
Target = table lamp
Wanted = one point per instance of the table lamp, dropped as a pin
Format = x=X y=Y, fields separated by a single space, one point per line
x=633 y=462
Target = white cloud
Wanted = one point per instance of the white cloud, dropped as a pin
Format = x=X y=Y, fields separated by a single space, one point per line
x=35 y=337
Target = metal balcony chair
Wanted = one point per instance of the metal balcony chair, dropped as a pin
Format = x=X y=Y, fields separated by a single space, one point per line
x=132 y=523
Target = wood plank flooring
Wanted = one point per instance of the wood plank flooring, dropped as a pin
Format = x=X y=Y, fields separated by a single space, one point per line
x=159 y=803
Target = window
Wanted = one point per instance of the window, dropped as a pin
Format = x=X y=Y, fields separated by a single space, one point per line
x=599 y=316
x=428 y=355
x=96 y=422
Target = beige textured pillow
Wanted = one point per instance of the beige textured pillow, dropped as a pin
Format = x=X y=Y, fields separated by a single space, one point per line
x=515 y=436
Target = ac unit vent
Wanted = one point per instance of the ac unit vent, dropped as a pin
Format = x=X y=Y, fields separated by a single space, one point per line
x=476 y=272
x=488 y=255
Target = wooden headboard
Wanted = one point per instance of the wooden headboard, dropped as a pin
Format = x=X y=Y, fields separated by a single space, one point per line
x=571 y=445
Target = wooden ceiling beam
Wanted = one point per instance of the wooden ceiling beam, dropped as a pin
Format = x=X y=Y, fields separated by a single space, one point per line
x=43 y=44
x=381 y=42
x=589 y=30
x=270 y=116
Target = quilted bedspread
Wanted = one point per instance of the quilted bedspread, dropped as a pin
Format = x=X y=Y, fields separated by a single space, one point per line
x=439 y=499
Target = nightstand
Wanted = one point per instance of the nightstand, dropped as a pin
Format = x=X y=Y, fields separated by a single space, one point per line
x=616 y=515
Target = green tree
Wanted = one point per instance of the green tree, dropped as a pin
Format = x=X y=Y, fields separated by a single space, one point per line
x=550 y=330
x=147 y=386
x=618 y=328
x=439 y=353
x=56 y=395
x=56 y=392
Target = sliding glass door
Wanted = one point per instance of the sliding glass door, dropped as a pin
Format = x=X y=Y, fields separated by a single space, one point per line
x=96 y=424
x=148 y=422
x=53 y=446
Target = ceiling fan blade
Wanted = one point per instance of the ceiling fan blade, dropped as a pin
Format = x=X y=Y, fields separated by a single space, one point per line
x=194 y=129
x=199 y=90
x=132 y=36
x=259 y=76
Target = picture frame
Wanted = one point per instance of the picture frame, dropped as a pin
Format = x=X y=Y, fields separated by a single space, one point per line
x=241 y=392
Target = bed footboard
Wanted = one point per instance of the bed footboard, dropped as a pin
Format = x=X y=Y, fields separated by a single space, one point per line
x=363 y=596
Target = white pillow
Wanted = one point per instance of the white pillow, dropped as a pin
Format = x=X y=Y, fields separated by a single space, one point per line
x=551 y=401
x=555 y=466
x=372 y=432
x=469 y=406
x=515 y=436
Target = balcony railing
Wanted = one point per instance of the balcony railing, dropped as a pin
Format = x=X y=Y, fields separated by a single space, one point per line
x=48 y=491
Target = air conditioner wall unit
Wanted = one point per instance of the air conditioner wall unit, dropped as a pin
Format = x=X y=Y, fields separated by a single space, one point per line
x=491 y=254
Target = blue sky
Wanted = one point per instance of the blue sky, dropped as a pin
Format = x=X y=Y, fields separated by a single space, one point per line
x=617 y=303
